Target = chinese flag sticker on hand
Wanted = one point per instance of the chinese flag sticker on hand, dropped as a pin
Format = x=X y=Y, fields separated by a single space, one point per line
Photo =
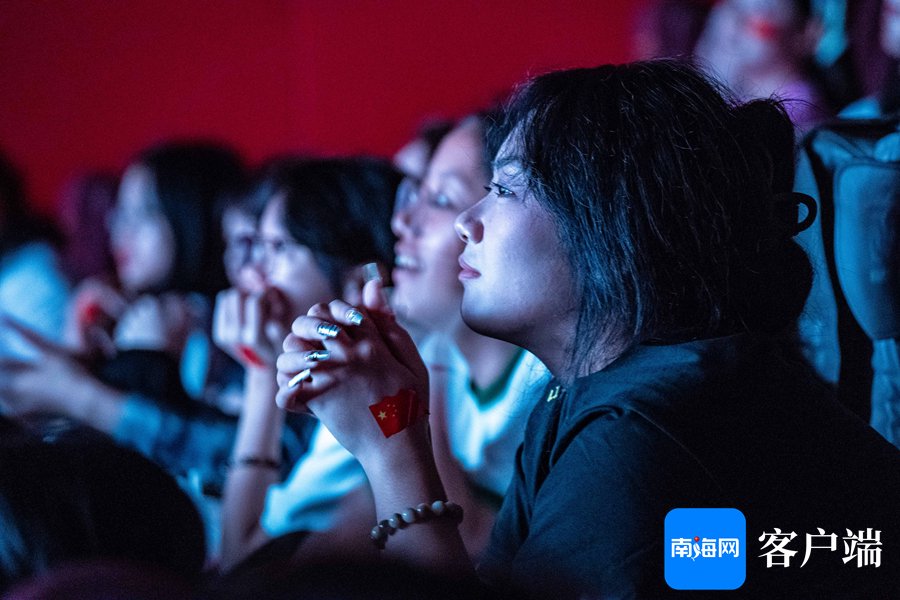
x=395 y=413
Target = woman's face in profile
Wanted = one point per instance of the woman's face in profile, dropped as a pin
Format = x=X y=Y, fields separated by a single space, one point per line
x=143 y=242
x=239 y=234
x=287 y=266
x=515 y=273
x=427 y=291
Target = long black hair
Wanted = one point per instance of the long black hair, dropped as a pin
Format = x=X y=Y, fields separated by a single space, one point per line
x=665 y=194
x=19 y=225
x=190 y=179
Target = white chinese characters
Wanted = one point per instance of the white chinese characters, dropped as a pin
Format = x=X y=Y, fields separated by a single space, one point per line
x=864 y=546
x=705 y=547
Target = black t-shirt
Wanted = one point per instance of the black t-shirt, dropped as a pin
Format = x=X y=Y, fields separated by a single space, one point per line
x=727 y=422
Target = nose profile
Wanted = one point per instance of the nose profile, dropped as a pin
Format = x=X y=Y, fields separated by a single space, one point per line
x=252 y=276
x=467 y=225
x=401 y=221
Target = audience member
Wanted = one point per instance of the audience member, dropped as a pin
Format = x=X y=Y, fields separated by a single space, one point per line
x=304 y=255
x=638 y=238
x=482 y=389
x=764 y=48
x=148 y=342
x=168 y=259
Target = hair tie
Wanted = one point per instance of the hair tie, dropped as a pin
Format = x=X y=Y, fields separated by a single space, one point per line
x=786 y=209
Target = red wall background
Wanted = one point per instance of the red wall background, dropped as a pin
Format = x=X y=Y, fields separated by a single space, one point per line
x=87 y=83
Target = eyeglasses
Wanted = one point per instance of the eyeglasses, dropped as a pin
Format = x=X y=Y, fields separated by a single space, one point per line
x=244 y=248
x=411 y=191
x=407 y=193
x=117 y=218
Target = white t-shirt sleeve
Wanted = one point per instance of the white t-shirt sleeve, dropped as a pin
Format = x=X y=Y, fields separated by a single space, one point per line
x=35 y=293
x=308 y=499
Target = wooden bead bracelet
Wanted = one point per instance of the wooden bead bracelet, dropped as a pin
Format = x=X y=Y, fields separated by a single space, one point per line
x=421 y=513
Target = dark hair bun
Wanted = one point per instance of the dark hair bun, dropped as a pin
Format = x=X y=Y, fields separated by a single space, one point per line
x=774 y=274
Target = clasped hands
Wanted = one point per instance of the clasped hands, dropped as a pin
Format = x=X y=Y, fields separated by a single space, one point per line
x=251 y=326
x=356 y=356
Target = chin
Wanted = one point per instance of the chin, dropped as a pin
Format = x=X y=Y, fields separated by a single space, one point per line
x=130 y=283
x=428 y=313
x=415 y=316
x=489 y=323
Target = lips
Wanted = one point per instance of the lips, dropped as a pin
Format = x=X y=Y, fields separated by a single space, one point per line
x=405 y=264
x=466 y=270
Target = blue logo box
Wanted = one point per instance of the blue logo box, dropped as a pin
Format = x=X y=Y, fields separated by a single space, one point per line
x=705 y=548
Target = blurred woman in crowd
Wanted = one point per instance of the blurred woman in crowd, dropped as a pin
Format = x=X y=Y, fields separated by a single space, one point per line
x=481 y=386
x=482 y=389
x=168 y=250
x=323 y=220
x=764 y=48
x=146 y=342
x=168 y=259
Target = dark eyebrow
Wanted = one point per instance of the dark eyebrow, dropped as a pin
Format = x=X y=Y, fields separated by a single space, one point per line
x=499 y=163
x=458 y=175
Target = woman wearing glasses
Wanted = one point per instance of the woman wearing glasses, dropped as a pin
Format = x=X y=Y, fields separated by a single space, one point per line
x=482 y=388
x=322 y=221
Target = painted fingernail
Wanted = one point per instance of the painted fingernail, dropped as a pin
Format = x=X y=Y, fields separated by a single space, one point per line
x=370 y=271
x=328 y=330
x=299 y=378
x=316 y=355
x=354 y=316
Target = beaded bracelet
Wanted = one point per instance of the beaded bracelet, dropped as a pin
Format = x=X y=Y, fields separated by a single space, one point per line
x=259 y=462
x=423 y=512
